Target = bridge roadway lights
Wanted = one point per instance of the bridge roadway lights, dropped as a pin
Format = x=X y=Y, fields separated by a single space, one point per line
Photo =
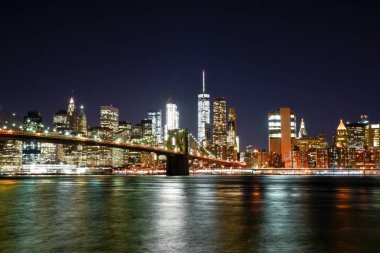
x=177 y=165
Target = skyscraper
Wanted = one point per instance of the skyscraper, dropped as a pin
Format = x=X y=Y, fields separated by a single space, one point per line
x=373 y=138
x=71 y=115
x=31 y=150
x=356 y=132
x=82 y=121
x=156 y=117
x=172 y=117
x=282 y=131
x=147 y=128
x=219 y=127
x=109 y=117
x=10 y=155
x=203 y=111
x=231 y=137
x=340 y=155
x=341 y=136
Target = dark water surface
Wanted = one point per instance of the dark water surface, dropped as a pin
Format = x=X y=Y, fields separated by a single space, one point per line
x=190 y=214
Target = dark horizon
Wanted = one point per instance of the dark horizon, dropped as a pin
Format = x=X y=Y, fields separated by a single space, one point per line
x=320 y=59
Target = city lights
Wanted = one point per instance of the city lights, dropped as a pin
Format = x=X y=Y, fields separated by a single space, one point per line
x=121 y=144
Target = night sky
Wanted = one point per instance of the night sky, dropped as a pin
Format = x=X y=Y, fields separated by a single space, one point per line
x=322 y=59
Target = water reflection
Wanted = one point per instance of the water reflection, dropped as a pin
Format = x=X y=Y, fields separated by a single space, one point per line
x=189 y=214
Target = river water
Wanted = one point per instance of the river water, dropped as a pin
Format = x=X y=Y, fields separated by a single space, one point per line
x=190 y=214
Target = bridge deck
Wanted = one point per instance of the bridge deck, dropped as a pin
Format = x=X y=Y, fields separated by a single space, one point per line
x=62 y=139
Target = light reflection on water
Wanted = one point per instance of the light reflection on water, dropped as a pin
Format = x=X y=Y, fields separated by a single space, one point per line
x=190 y=214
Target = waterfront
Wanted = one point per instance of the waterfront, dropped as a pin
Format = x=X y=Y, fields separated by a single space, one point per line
x=189 y=214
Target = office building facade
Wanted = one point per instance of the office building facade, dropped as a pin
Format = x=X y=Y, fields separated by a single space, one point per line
x=282 y=131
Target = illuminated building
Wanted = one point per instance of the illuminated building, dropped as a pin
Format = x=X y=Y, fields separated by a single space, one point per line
x=302 y=133
x=247 y=156
x=219 y=128
x=73 y=154
x=260 y=159
x=255 y=158
x=124 y=131
x=10 y=155
x=49 y=153
x=203 y=112
x=99 y=156
x=356 y=134
x=60 y=126
x=31 y=150
x=296 y=159
x=156 y=118
x=341 y=157
x=71 y=115
x=60 y=120
x=312 y=151
x=373 y=138
x=123 y=134
x=231 y=137
x=137 y=133
x=109 y=117
x=172 y=117
x=82 y=122
x=322 y=158
x=341 y=136
x=282 y=131
x=306 y=143
x=365 y=160
x=147 y=128
x=142 y=134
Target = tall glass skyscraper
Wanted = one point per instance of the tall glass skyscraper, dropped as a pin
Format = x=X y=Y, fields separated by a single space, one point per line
x=219 y=128
x=172 y=117
x=203 y=112
x=156 y=117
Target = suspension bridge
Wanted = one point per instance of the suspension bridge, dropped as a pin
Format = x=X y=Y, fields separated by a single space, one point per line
x=176 y=150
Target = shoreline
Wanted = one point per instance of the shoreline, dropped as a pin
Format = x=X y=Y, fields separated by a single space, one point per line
x=216 y=172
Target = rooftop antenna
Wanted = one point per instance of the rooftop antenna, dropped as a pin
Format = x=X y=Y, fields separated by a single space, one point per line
x=203 y=81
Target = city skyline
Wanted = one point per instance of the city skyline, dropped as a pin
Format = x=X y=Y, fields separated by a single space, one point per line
x=50 y=120
x=262 y=56
x=190 y=126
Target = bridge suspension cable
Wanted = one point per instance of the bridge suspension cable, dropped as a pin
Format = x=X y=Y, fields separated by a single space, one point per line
x=200 y=146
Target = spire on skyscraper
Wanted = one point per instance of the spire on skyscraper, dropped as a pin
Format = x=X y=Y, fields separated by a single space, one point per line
x=302 y=133
x=71 y=115
x=341 y=125
x=203 y=81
